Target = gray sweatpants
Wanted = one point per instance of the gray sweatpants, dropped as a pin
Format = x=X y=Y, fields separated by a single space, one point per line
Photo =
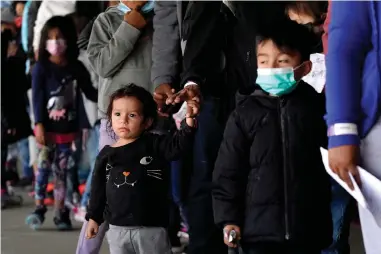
x=138 y=240
x=371 y=161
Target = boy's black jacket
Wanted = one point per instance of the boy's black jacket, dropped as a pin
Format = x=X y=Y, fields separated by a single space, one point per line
x=269 y=178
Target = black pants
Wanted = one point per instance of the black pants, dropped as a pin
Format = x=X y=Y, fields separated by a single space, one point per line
x=275 y=248
x=204 y=236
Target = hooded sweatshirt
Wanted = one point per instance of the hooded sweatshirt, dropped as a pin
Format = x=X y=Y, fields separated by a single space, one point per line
x=120 y=54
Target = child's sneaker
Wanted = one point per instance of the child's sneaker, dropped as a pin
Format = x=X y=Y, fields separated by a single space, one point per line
x=80 y=214
x=63 y=221
x=35 y=220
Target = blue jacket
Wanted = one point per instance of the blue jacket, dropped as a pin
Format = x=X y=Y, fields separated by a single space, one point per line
x=353 y=86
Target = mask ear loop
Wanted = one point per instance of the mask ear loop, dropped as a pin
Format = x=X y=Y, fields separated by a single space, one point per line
x=300 y=65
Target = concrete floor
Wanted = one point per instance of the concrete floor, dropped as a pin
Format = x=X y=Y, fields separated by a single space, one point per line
x=17 y=238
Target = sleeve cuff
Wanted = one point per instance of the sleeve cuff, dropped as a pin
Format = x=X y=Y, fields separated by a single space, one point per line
x=190 y=83
x=342 y=140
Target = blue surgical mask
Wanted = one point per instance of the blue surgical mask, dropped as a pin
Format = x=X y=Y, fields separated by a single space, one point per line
x=145 y=9
x=276 y=81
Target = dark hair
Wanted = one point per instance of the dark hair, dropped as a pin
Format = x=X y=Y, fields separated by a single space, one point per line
x=14 y=4
x=67 y=28
x=316 y=9
x=132 y=90
x=290 y=36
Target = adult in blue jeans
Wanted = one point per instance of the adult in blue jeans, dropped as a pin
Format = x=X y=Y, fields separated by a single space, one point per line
x=92 y=142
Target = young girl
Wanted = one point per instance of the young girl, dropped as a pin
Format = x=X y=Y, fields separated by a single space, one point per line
x=59 y=114
x=129 y=174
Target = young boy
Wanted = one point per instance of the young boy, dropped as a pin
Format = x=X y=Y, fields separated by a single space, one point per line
x=120 y=52
x=270 y=184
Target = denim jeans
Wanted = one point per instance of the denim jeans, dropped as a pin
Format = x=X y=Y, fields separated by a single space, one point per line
x=23 y=147
x=341 y=218
x=92 y=153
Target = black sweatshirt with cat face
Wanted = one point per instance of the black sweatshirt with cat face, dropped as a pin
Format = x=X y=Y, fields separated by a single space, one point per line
x=134 y=179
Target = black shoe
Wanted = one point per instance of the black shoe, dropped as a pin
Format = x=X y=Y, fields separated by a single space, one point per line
x=35 y=219
x=63 y=221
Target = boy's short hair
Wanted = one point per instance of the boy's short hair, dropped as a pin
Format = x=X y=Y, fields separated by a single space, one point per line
x=290 y=36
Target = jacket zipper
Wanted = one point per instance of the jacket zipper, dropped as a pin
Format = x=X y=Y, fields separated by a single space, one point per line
x=285 y=175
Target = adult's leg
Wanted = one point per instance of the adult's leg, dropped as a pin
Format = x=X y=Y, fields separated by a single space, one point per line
x=92 y=142
x=23 y=147
x=93 y=246
x=204 y=236
x=341 y=218
x=371 y=161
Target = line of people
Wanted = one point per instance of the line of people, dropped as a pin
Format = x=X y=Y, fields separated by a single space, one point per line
x=203 y=115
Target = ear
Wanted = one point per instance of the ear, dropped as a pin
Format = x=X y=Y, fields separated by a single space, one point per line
x=148 y=123
x=307 y=68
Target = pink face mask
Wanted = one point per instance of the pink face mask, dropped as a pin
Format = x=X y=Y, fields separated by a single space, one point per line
x=56 y=47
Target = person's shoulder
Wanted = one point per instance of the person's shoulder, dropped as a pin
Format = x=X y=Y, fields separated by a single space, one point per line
x=110 y=15
x=104 y=152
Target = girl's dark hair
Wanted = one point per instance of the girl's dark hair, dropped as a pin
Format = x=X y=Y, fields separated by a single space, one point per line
x=67 y=28
x=132 y=90
x=316 y=9
x=290 y=36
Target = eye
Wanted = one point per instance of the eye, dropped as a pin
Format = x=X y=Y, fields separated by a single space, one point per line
x=117 y=114
x=146 y=160
x=132 y=115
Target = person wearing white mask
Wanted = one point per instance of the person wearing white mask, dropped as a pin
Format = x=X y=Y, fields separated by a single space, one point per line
x=120 y=52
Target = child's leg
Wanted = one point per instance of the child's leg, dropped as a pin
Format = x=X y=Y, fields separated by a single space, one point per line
x=62 y=154
x=42 y=174
x=150 y=240
x=35 y=219
x=121 y=241
x=91 y=246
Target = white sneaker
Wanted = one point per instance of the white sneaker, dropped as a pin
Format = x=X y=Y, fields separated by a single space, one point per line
x=80 y=214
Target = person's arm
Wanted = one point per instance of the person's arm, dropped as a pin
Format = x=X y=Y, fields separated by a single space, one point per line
x=97 y=202
x=348 y=43
x=172 y=146
x=106 y=51
x=85 y=83
x=201 y=52
x=38 y=84
x=230 y=174
x=166 y=43
x=84 y=37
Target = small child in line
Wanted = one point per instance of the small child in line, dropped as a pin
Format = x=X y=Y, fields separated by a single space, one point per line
x=271 y=187
x=130 y=176
x=57 y=81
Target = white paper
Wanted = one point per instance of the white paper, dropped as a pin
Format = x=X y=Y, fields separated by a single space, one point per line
x=316 y=78
x=371 y=188
x=369 y=196
x=356 y=193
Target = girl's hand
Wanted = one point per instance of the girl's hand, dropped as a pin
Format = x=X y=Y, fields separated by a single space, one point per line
x=227 y=230
x=39 y=132
x=193 y=108
x=92 y=229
